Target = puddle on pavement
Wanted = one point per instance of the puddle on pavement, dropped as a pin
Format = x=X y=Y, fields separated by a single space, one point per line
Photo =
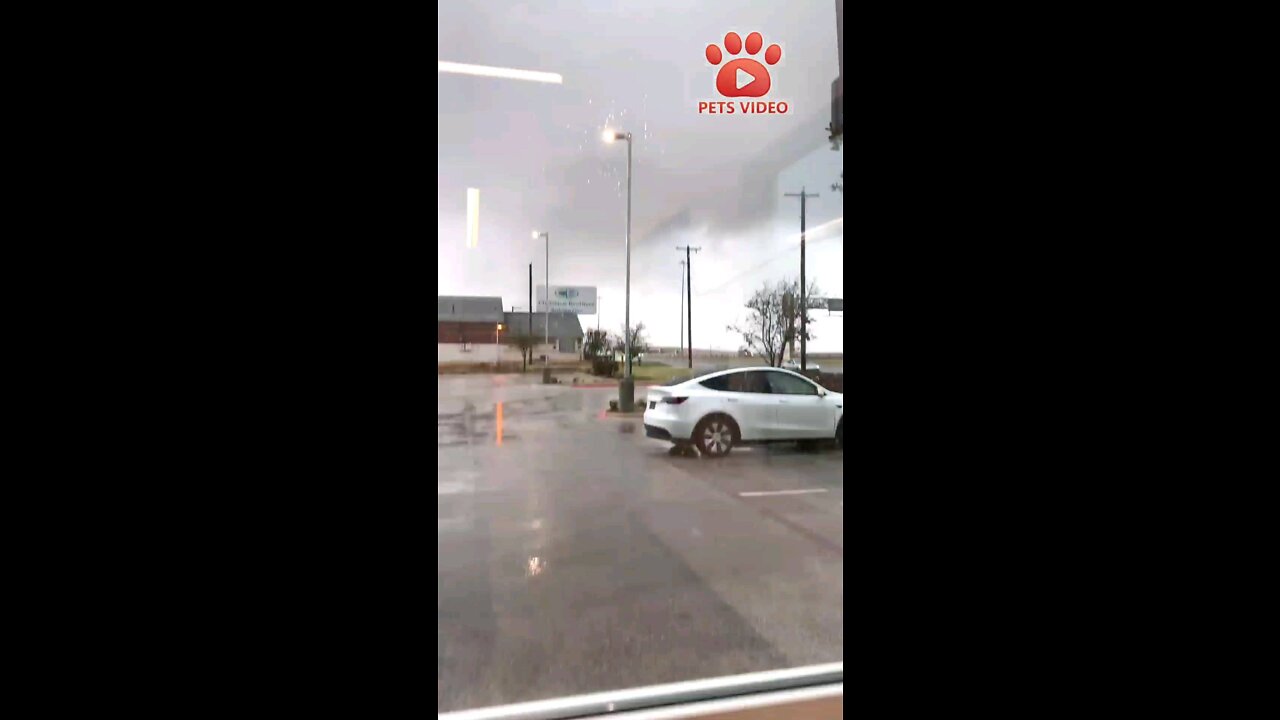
x=474 y=426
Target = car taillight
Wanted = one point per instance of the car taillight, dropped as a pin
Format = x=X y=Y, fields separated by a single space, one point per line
x=674 y=400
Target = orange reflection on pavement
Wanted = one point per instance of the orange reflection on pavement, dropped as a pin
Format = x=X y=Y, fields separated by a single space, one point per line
x=499 y=424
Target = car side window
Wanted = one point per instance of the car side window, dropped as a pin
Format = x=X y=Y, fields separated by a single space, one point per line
x=755 y=381
x=748 y=382
x=785 y=384
x=717 y=383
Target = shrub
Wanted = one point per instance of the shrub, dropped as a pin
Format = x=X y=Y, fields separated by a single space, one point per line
x=603 y=366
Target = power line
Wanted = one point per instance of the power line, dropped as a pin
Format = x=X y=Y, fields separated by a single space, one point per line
x=758 y=266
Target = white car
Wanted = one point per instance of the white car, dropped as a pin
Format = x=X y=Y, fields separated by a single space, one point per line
x=718 y=411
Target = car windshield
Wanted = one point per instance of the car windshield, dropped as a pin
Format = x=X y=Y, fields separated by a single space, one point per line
x=631 y=196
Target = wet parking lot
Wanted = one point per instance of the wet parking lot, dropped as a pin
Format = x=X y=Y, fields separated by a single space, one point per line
x=576 y=555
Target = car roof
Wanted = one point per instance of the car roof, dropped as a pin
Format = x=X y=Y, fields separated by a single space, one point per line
x=730 y=371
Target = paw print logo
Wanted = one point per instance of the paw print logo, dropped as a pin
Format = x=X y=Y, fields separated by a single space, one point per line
x=744 y=77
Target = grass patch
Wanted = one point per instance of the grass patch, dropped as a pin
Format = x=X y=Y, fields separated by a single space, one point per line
x=653 y=373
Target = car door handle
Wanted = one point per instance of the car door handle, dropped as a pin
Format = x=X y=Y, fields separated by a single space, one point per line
x=732 y=399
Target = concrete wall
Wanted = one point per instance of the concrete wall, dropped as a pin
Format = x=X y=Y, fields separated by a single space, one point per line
x=453 y=353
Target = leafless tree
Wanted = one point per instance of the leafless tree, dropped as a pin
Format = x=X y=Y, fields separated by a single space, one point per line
x=791 y=311
x=762 y=332
x=638 y=343
x=773 y=323
x=526 y=343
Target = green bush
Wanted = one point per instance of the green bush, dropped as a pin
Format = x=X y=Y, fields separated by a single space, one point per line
x=604 y=366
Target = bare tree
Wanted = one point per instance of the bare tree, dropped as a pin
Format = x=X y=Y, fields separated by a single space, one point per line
x=790 y=290
x=762 y=333
x=638 y=343
x=526 y=343
x=773 y=324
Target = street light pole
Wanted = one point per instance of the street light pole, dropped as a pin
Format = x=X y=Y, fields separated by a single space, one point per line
x=546 y=278
x=627 y=313
x=627 y=388
x=529 y=352
x=546 y=336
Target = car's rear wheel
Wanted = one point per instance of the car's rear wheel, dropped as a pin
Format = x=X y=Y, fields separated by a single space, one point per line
x=715 y=436
x=840 y=434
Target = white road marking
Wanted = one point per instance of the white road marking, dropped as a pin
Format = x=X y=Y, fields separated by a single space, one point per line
x=782 y=492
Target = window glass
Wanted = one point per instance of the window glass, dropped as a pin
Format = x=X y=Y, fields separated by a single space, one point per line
x=615 y=175
x=784 y=384
x=681 y=377
x=720 y=382
x=749 y=382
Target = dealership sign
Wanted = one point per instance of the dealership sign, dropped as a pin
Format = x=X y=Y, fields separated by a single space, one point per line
x=576 y=299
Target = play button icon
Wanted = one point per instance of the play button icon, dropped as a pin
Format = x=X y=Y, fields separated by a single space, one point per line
x=743 y=77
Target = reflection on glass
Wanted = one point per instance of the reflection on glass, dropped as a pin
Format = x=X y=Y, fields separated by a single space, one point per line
x=498 y=424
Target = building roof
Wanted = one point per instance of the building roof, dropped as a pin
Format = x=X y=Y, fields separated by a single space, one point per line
x=564 y=326
x=468 y=309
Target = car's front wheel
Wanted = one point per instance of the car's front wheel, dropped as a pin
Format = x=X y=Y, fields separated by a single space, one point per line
x=715 y=436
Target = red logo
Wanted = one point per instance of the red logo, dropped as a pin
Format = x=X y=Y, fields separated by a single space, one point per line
x=743 y=77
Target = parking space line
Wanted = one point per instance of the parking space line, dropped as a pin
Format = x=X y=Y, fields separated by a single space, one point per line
x=782 y=492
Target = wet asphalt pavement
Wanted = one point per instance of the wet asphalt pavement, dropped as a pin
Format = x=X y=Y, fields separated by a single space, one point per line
x=576 y=555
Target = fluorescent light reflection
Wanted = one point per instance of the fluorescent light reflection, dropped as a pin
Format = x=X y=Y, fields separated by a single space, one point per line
x=498 y=72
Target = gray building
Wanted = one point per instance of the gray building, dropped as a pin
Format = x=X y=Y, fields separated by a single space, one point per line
x=565 y=329
x=463 y=322
x=467 y=320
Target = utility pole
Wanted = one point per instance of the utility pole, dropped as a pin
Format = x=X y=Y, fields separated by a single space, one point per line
x=529 y=350
x=688 y=262
x=804 y=303
x=683 y=265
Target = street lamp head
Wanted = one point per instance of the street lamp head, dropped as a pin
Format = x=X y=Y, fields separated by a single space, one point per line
x=611 y=135
x=499 y=326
